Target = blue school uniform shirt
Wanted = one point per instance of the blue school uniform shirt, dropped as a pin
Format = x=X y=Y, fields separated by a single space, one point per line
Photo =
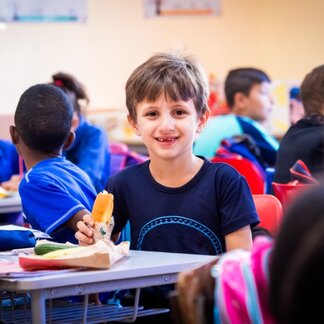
x=193 y=218
x=9 y=160
x=51 y=193
x=90 y=152
x=220 y=127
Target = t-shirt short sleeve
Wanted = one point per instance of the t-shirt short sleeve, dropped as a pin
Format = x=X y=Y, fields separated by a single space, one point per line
x=47 y=206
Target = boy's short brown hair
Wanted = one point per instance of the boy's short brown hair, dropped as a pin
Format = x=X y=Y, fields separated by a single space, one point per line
x=178 y=77
x=312 y=91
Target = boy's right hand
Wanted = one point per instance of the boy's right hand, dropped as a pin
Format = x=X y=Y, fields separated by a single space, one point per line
x=85 y=233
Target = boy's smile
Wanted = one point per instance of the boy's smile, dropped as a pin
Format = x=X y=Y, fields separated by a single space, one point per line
x=167 y=127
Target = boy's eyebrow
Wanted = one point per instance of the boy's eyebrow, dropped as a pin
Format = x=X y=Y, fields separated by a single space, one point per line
x=150 y=106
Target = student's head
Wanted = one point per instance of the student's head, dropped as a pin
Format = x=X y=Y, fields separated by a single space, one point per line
x=297 y=264
x=43 y=119
x=296 y=108
x=73 y=88
x=174 y=76
x=247 y=92
x=312 y=91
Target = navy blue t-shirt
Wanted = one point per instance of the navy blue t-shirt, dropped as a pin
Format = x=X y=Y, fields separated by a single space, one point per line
x=193 y=218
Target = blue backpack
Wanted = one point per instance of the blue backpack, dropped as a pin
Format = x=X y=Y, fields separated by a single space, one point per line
x=245 y=146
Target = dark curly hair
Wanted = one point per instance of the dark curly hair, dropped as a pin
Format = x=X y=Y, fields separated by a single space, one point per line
x=43 y=117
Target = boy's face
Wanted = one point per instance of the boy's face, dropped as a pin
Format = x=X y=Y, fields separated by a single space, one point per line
x=258 y=104
x=168 y=128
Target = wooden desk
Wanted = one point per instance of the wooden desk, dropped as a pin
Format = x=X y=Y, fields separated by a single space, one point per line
x=139 y=269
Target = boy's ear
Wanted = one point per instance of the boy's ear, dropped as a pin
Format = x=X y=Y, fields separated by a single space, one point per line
x=13 y=134
x=68 y=142
x=203 y=120
x=133 y=125
x=239 y=101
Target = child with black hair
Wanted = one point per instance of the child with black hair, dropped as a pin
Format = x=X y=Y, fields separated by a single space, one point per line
x=55 y=193
x=90 y=149
x=248 y=96
x=305 y=139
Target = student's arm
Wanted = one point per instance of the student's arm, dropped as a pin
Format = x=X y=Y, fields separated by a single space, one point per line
x=79 y=216
x=12 y=184
x=240 y=239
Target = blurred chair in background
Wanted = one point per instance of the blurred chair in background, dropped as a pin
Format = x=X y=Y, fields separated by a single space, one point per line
x=269 y=210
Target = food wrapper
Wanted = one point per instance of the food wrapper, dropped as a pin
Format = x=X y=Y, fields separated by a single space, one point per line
x=102 y=231
x=101 y=255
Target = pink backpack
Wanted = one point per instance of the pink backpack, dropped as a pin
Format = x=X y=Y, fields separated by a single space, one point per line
x=241 y=293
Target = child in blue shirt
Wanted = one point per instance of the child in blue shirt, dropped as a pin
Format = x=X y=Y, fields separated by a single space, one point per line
x=90 y=149
x=9 y=161
x=247 y=92
x=9 y=178
x=55 y=193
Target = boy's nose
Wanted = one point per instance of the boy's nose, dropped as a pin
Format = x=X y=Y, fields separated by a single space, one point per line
x=271 y=98
x=166 y=123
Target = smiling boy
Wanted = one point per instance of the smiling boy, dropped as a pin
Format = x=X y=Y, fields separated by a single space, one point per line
x=176 y=201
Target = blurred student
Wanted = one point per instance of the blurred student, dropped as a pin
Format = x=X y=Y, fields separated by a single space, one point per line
x=55 y=193
x=9 y=178
x=9 y=164
x=90 y=149
x=176 y=201
x=305 y=139
x=296 y=108
x=279 y=281
x=297 y=262
x=248 y=96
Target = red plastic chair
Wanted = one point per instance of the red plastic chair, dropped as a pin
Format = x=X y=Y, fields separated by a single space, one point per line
x=288 y=192
x=247 y=169
x=269 y=210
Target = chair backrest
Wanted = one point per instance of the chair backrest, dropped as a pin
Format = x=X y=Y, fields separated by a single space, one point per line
x=287 y=192
x=245 y=167
x=269 y=210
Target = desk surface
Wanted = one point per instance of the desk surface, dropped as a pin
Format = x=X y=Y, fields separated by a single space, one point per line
x=139 y=269
x=10 y=204
x=138 y=264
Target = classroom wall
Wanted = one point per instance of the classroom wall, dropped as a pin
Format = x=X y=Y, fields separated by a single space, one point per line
x=283 y=37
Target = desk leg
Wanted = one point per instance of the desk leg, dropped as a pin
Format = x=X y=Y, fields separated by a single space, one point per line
x=38 y=307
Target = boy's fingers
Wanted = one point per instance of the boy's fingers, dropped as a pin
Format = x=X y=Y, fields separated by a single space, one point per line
x=83 y=239
x=84 y=229
x=88 y=220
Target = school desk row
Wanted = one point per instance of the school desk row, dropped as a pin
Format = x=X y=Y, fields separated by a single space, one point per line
x=137 y=270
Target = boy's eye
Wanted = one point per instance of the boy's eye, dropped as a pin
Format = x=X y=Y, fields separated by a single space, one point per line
x=151 y=114
x=179 y=112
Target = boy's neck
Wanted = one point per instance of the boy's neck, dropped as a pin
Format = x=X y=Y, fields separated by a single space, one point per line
x=32 y=157
x=175 y=174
